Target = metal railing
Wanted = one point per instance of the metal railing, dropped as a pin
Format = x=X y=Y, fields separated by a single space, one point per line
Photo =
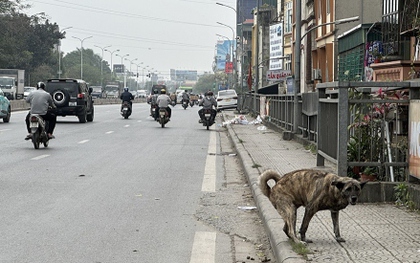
x=359 y=126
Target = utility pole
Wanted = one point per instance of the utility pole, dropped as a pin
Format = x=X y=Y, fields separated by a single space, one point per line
x=296 y=90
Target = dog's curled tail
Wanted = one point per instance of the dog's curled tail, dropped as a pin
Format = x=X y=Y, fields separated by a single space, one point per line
x=264 y=178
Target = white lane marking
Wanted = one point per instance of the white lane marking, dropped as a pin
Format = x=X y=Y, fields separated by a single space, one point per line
x=127 y=125
x=40 y=157
x=139 y=121
x=84 y=141
x=204 y=247
x=209 y=180
x=109 y=132
x=5 y=130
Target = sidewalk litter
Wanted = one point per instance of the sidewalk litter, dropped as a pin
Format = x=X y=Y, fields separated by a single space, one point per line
x=241 y=119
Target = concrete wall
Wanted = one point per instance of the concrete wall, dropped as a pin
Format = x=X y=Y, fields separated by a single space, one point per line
x=369 y=11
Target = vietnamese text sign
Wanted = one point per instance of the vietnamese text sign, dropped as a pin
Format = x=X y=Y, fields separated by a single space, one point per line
x=277 y=75
x=276 y=46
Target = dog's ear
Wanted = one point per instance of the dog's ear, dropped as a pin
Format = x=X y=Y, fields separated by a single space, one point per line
x=340 y=185
x=362 y=184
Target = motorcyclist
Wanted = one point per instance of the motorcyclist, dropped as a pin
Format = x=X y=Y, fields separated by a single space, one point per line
x=153 y=97
x=173 y=98
x=127 y=96
x=163 y=101
x=41 y=101
x=185 y=97
x=207 y=102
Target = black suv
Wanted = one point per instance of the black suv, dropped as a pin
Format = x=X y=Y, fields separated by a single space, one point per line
x=72 y=97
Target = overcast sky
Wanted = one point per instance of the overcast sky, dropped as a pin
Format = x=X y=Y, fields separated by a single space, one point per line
x=163 y=34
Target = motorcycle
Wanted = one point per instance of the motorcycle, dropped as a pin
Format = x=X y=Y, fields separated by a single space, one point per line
x=185 y=104
x=208 y=120
x=38 y=130
x=126 y=110
x=153 y=110
x=192 y=103
x=163 y=117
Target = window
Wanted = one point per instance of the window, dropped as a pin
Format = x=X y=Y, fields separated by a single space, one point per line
x=288 y=21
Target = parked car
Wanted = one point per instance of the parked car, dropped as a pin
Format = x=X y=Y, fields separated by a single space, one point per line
x=96 y=92
x=27 y=90
x=72 y=97
x=5 y=108
x=227 y=99
x=141 y=93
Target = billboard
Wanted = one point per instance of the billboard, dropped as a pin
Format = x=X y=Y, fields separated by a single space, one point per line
x=223 y=54
x=183 y=75
x=118 y=68
x=229 y=67
x=276 y=46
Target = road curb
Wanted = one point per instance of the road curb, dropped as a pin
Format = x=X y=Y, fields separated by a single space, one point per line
x=272 y=221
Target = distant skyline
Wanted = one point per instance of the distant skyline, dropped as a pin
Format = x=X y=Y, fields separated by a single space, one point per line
x=161 y=34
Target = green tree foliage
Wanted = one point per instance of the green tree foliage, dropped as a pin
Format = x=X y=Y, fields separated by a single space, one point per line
x=41 y=73
x=205 y=83
x=91 y=66
x=208 y=82
x=26 y=42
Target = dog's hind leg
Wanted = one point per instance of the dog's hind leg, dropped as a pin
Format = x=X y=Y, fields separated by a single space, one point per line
x=336 y=225
x=309 y=213
x=288 y=212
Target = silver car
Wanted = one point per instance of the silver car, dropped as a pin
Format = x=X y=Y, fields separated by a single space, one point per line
x=27 y=91
x=227 y=99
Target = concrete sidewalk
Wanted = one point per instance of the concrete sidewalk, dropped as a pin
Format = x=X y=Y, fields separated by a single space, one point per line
x=373 y=232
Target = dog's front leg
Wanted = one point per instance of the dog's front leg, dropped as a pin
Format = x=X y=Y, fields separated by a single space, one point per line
x=336 y=224
x=309 y=213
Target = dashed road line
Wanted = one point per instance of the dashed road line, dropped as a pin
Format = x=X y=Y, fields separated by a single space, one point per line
x=204 y=247
x=127 y=125
x=109 y=132
x=40 y=157
x=84 y=141
x=209 y=180
x=5 y=130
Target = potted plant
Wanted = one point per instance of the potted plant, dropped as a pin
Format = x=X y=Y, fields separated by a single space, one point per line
x=368 y=174
x=377 y=56
x=370 y=129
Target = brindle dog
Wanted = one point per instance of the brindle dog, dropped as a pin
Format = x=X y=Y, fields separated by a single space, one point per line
x=315 y=190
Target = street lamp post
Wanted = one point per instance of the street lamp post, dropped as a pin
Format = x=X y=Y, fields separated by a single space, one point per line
x=122 y=63
x=81 y=53
x=131 y=62
x=102 y=59
x=242 y=45
x=59 y=51
x=112 y=53
x=137 y=76
x=142 y=73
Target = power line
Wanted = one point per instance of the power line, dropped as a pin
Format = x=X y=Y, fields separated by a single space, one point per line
x=117 y=13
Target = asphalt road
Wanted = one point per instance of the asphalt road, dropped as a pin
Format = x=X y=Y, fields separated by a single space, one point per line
x=113 y=190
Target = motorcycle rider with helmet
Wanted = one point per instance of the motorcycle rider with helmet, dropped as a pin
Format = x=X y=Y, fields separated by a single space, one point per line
x=186 y=97
x=127 y=96
x=41 y=102
x=163 y=101
x=207 y=102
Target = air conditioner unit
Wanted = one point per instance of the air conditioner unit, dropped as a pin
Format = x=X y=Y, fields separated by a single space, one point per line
x=316 y=74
